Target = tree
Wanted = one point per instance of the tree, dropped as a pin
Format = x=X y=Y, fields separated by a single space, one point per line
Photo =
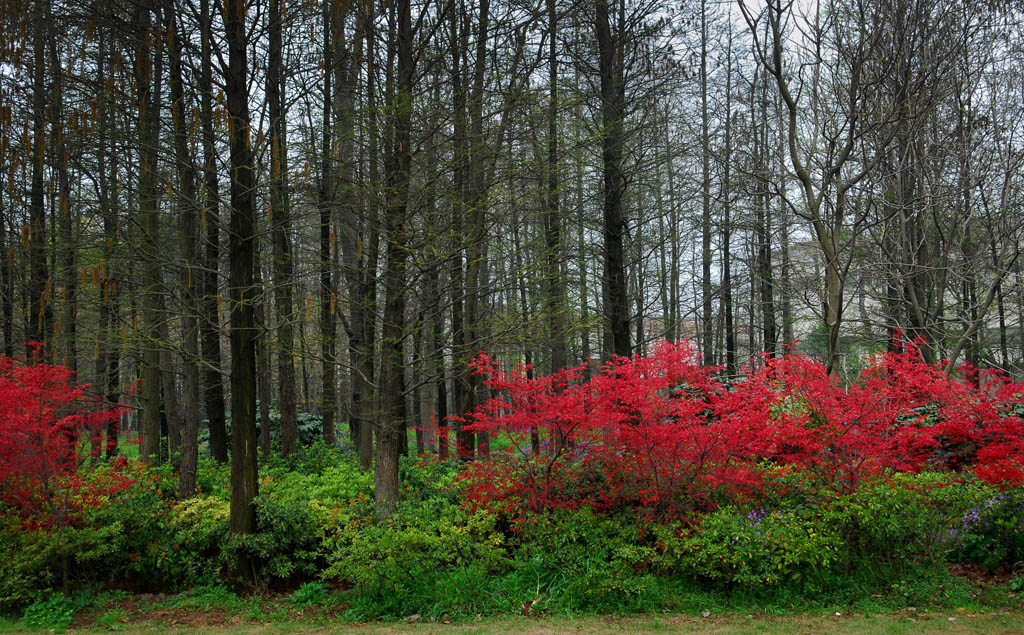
x=243 y=328
x=281 y=223
x=210 y=323
x=827 y=165
x=187 y=204
x=611 y=42
x=388 y=426
x=148 y=86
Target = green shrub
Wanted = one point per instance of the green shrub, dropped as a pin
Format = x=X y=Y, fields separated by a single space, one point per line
x=143 y=542
x=310 y=594
x=583 y=561
x=395 y=566
x=200 y=527
x=991 y=533
x=288 y=538
x=894 y=525
x=213 y=478
x=51 y=611
x=26 y=565
x=757 y=547
x=310 y=459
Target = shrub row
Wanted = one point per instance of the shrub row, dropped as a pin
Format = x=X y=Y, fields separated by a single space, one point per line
x=436 y=556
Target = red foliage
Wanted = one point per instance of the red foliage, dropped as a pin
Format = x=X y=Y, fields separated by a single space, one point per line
x=44 y=416
x=662 y=435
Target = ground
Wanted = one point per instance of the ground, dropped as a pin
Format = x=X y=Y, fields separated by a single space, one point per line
x=907 y=621
x=994 y=609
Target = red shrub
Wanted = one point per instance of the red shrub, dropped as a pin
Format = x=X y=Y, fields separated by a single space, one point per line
x=43 y=417
x=662 y=435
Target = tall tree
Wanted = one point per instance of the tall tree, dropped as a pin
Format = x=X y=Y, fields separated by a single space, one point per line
x=328 y=299
x=555 y=287
x=147 y=91
x=40 y=316
x=280 y=216
x=186 y=204
x=240 y=279
x=610 y=44
x=388 y=427
x=707 y=328
x=211 y=302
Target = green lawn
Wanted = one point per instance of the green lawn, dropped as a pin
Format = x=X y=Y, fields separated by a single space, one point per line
x=214 y=620
x=988 y=608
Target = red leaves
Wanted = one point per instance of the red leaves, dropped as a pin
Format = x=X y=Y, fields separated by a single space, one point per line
x=43 y=418
x=662 y=435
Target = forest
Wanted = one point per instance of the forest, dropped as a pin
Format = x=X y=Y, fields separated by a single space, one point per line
x=452 y=308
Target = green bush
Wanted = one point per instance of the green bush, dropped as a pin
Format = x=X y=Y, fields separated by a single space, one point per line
x=287 y=542
x=757 y=547
x=991 y=533
x=26 y=564
x=310 y=594
x=143 y=542
x=582 y=561
x=52 y=611
x=200 y=528
x=395 y=565
x=894 y=525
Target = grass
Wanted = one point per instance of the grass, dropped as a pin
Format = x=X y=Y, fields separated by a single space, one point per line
x=316 y=608
x=897 y=622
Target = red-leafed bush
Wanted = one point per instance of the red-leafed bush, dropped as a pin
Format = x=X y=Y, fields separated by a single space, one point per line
x=45 y=419
x=663 y=436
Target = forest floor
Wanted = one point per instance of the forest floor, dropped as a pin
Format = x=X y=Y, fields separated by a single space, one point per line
x=993 y=609
x=906 y=621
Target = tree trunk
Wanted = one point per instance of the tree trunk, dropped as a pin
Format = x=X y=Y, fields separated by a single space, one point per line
x=40 y=315
x=242 y=289
x=389 y=426
x=211 y=302
x=616 y=301
x=280 y=216
x=68 y=321
x=147 y=85
x=707 y=347
x=186 y=203
x=727 y=303
x=264 y=384
x=555 y=286
x=325 y=203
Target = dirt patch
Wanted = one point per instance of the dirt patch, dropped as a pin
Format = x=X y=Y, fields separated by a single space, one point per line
x=213 y=617
x=981 y=576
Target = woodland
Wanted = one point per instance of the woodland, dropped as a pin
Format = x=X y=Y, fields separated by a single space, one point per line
x=442 y=308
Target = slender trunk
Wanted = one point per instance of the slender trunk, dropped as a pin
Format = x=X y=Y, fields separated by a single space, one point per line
x=325 y=203
x=389 y=427
x=68 y=320
x=169 y=394
x=581 y=253
x=280 y=216
x=212 y=301
x=108 y=370
x=1004 y=349
x=243 y=332
x=148 y=106
x=555 y=295
x=616 y=301
x=40 y=315
x=730 y=328
x=707 y=347
x=187 y=209
x=440 y=368
x=417 y=368
x=7 y=258
x=264 y=381
x=361 y=268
